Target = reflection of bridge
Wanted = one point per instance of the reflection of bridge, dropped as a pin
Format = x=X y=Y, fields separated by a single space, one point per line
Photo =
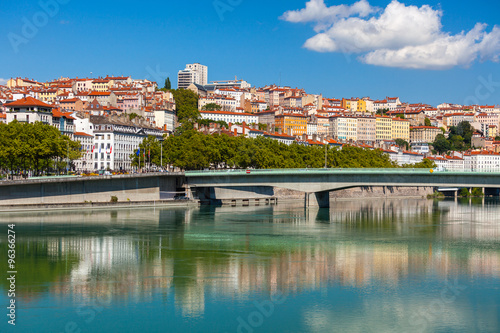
x=317 y=183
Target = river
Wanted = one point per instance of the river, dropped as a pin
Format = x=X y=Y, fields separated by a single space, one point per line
x=375 y=265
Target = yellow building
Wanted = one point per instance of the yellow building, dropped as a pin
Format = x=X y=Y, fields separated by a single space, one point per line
x=383 y=126
x=292 y=124
x=48 y=95
x=492 y=131
x=400 y=129
x=102 y=85
x=361 y=105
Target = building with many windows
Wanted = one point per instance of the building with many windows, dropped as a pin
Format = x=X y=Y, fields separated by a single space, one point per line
x=383 y=127
x=344 y=128
x=424 y=134
x=230 y=117
x=294 y=124
x=193 y=73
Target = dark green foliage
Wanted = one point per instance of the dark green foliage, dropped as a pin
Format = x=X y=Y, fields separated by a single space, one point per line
x=194 y=151
x=477 y=192
x=207 y=122
x=460 y=139
x=37 y=147
x=403 y=144
x=427 y=122
x=212 y=107
x=186 y=103
x=464 y=193
x=425 y=164
x=168 y=84
x=441 y=144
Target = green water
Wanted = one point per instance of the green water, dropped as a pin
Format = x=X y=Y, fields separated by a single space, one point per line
x=361 y=266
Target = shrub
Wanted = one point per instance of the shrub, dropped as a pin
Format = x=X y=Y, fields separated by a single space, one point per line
x=464 y=193
x=114 y=198
x=477 y=192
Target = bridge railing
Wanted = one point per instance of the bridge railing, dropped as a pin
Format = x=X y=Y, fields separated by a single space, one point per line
x=334 y=170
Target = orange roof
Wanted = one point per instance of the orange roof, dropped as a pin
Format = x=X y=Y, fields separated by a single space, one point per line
x=3 y=116
x=28 y=101
x=58 y=114
x=82 y=134
x=97 y=93
x=227 y=113
x=72 y=100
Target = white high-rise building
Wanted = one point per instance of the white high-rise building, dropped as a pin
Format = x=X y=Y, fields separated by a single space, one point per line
x=194 y=73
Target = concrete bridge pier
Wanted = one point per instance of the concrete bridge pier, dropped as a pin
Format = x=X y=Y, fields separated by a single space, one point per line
x=317 y=199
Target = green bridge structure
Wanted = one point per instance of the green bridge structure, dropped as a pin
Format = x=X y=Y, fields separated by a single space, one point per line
x=217 y=186
x=229 y=186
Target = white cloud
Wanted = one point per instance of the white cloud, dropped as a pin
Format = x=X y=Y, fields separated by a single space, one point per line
x=316 y=11
x=3 y=82
x=400 y=36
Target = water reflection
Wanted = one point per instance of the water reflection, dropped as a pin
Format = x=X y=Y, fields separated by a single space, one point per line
x=231 y=254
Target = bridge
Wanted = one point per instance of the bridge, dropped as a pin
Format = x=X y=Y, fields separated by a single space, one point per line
x=217 y=186
x=318 y=183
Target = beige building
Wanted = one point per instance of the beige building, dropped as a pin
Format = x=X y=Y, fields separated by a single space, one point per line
x=383 y=128
x=400 y=129
x=367 y=129
x=424 y=134
x=344 y=128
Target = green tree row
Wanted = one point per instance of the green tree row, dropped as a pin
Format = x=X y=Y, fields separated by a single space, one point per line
x=195 y=151
x=35 y=147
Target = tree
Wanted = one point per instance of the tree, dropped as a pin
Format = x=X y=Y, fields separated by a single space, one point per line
x=186 y=103
x=402 y=144
x=428 y=122
x=497 y=138
x=211 y=107
x=440 y=144
x=168 y=85
x=425 y=164
x=465 y=130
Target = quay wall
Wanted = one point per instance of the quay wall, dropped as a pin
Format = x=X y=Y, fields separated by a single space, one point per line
x=82 y=190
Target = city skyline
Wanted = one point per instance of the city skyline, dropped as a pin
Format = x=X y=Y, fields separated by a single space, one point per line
x=260 y=46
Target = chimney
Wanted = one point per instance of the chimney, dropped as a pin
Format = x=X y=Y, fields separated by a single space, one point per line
x=315 y=137
x=235 y=132
x=304 y=137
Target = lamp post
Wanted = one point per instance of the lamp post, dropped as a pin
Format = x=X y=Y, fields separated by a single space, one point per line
x=326 y=156
x=161 y=154
x=67 y=161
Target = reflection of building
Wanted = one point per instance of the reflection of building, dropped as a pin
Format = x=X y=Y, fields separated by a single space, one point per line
x=140 y=254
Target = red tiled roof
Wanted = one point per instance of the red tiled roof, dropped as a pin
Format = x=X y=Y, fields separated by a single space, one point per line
x=28 y=101
x=82 y=134
x=58 y=114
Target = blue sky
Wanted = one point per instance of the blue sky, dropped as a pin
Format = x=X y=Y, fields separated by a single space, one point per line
x=253 y=40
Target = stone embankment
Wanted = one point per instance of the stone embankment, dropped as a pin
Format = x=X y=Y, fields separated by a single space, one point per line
x=362 y=192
